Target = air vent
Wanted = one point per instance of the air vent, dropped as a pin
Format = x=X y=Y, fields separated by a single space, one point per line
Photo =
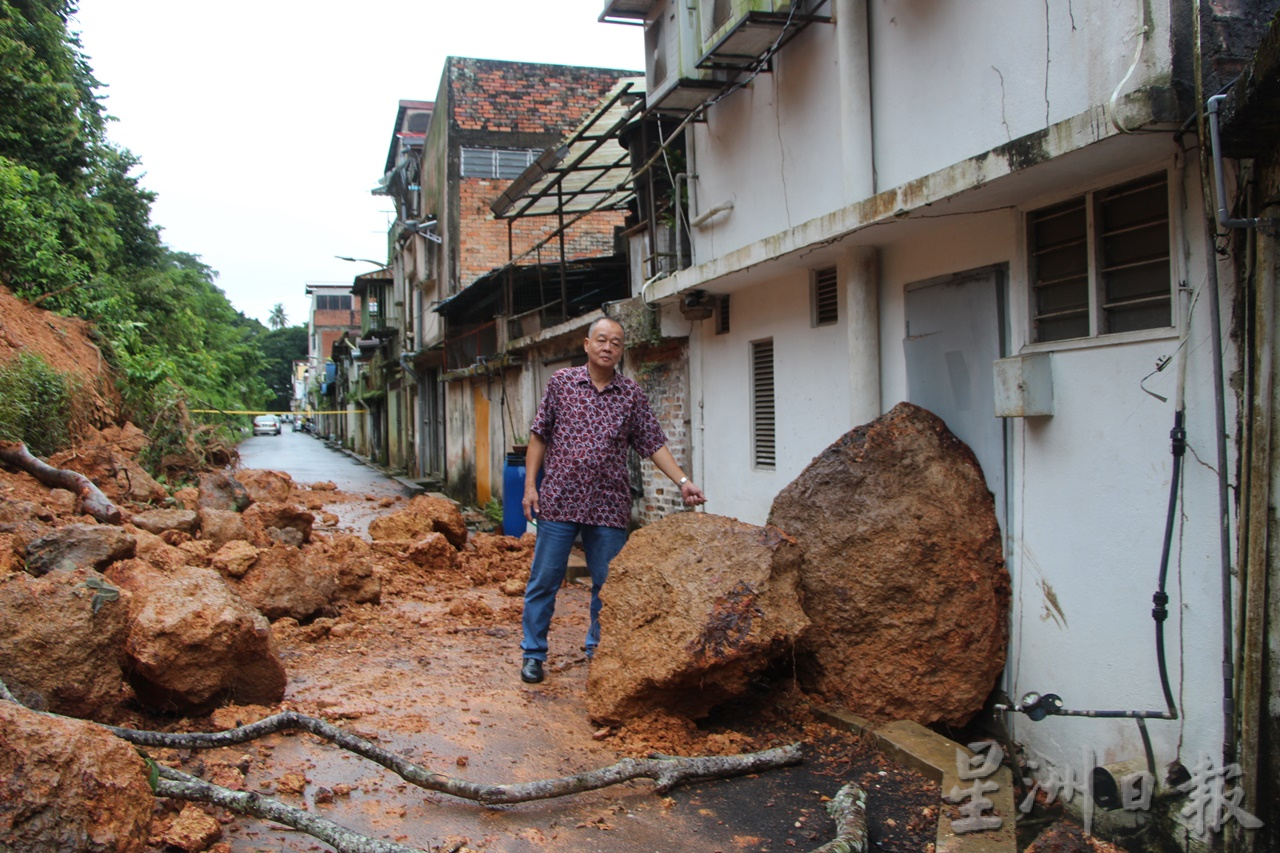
x=763 y=413
x=825 y=297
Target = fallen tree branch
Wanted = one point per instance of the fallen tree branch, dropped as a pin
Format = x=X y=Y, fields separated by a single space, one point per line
x=182 y=786
x=92 y=500
x=848 y=808
x=666 y=771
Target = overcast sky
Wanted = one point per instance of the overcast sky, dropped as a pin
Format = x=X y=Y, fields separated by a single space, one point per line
x=264 y=124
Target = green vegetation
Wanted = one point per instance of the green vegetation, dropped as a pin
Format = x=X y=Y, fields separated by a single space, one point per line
x=76 y=237
x=493 y=511
x=37 y=404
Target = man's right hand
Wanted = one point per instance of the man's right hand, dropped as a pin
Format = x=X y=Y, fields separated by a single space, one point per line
x=530 y=501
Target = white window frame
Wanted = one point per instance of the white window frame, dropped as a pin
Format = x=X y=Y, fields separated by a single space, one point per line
x=1095 y=338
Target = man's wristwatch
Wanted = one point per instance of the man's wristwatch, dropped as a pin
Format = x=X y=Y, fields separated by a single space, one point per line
x=682 y=481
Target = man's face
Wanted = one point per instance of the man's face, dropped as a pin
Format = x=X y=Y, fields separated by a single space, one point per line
x=604 y=344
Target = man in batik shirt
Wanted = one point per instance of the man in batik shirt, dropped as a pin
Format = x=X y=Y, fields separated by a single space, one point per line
x=587 y=419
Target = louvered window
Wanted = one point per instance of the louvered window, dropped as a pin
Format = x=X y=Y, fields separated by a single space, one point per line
x=1100 y=262
x=763 y=413
x=824 y=297
x=722 y=314
x=503 y=163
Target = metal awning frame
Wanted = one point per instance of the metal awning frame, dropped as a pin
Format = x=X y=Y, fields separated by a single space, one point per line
x=546 y=177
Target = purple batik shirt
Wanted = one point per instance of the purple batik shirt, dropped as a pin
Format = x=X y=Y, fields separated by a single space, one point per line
x=587 y=433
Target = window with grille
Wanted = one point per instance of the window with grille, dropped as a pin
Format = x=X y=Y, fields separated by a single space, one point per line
x=332 y=302
x=824 y=297
x=763 y=419
x=1100 y=262
x=504 y=163
x=722 y=314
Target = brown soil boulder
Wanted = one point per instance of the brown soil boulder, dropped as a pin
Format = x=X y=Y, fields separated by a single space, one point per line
x=56 y=653
x=494 y=558
x=188 y=497
x=89 y=546
x=158 y=521
x=359 y=569
x=192 y=831
x=68 y=785
x=234 y=559
x=276 y=518
x=159 y=553
x=904 y=577
x=193 y=644
x=220 y=526
x=434 y=553
x=423 y=515
x=281 y=583
x=265 y=486
x=696 y=604
x=224 y=492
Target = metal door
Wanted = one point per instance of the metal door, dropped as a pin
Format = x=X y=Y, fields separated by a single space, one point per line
x=955 y=331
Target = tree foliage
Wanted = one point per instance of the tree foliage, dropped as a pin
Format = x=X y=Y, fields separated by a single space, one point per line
x=280 y=349
x=76 y=235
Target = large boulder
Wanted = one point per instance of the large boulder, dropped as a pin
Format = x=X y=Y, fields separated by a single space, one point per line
x=423 y=515
x=193 y=644
x=68 y=785
x=696 y=604
x=58 y=654
x=265 y=486
x=282 y=583
x=904 y=576
x=90 y=546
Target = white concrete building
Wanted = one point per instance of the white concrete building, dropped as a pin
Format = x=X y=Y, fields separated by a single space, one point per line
x=908 y=192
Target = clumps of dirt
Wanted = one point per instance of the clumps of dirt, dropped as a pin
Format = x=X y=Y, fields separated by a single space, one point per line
x=1065 y=836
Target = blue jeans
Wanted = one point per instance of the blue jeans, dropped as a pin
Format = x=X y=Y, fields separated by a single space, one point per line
x=550 y=560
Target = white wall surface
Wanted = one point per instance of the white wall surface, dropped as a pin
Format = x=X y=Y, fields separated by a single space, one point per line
x=949 y=81
x=812 y=394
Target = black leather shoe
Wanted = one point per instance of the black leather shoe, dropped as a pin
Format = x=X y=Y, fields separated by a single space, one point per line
x=531 y=672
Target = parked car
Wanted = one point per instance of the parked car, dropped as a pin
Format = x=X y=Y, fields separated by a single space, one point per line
x=266 y=425
x=299 y=424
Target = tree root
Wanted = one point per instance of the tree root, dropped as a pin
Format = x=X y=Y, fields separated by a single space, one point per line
x=848 y=808
x=92 y=500
x=181 y=786
x=667 y=771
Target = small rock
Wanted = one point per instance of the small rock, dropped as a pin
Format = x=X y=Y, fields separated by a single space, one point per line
x=194 y=830
x=159 y=521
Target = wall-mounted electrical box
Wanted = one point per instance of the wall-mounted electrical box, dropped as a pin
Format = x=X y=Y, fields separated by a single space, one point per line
x=1024 y=386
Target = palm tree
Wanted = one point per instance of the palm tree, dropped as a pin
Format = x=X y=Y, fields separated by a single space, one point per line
x=277 y=318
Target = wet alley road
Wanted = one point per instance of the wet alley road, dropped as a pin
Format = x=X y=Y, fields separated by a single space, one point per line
x=308 y=460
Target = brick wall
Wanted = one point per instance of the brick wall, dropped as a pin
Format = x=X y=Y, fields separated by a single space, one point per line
x=524 y=97
x=663 y=372
x=484 y=238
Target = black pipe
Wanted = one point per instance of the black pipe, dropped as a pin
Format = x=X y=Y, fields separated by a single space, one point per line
x=1050 y=704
